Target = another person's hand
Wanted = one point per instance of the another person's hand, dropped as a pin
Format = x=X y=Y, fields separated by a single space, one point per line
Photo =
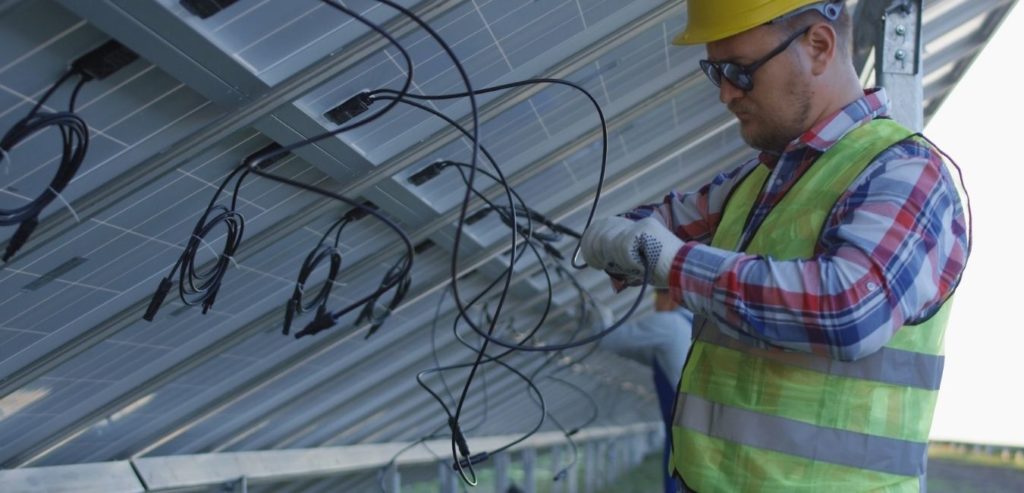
x=622 y=247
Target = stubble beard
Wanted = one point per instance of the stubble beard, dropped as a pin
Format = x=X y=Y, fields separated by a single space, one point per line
x=778 y=129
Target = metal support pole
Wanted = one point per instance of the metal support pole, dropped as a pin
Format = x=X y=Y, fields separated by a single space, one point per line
x=898 y=62
x=392 y=480
x=241 y=485
x=589 y=467
x=501 y=466
x=638 y=449
x=612 y=461
x=572 y=478
x=557 y=486
x=447 y=482
x=529 y=465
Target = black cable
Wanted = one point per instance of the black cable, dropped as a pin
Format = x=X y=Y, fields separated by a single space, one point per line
x=202 y=288
x=597 y=107
x=458 y=440
x=394 y=458
x=195 y=286
x=319 y=254
x=468 y=460
x=324 y=251
x=386 y=95
x=74 y=145
x=402 y=282
x=509 y=215
x=389 y=95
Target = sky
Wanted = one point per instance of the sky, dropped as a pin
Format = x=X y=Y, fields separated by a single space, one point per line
x=982 y=396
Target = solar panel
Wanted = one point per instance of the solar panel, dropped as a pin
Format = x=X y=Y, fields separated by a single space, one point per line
x=84 y=379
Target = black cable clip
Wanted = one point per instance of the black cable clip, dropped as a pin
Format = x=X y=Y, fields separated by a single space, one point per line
x=158 y=299
x=466 y=462
x=20 y=237
x=323 y=321
x=289 y=314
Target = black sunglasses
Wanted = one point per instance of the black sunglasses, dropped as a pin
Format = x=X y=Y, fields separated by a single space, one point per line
x=742 y=76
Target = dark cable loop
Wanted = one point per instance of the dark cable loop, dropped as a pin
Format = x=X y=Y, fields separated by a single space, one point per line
x=597 y=107
x=74 y=146
x=253 y=164
x=316 y=256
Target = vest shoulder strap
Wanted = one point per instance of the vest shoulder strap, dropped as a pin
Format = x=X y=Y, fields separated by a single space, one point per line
x=817 y=190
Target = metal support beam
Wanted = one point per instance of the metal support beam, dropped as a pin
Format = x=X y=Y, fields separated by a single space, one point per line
x=572 y=479
x=92 y=478
x=392 y=479
x=558 y=485
x=867 y=21
x=238 y=470
x=590 y=467
x=502 y=463
x=241 y=485
x=898 y=61
x=446 y=478
x=529 y=458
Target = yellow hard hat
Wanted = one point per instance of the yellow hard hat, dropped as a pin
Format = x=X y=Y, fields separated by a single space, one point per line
x=712 y=20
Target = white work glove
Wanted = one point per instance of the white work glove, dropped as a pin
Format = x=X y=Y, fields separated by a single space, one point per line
x=620 y=247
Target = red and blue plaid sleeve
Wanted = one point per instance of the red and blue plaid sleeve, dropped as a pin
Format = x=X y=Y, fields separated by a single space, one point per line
x=694 y=216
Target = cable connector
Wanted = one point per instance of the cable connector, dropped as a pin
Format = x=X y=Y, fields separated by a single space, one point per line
x=320 y=323
x=357 y=213
x=351 y=108
x=158 y=299
x=478 y=215
x=205 y=8
x=427 y=174
x=103 y=61
x=19 y=237
x=289 y=315
x=460 y=439
x=552 y=250
x=265 y=157
x=469 y=461
x=208 y=301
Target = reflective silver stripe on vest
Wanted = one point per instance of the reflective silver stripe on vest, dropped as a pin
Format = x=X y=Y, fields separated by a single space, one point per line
x=887 y=365
x=811 y=442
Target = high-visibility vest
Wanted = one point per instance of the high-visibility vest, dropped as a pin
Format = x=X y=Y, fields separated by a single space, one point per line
x=752 y=418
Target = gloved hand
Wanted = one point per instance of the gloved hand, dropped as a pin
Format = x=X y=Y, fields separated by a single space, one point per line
x=621 y=247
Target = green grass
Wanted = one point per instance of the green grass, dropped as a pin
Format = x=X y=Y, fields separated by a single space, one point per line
x=973 y=458
x=645 y=478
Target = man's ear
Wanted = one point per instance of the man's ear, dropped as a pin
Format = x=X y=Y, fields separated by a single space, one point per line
x=821 y=46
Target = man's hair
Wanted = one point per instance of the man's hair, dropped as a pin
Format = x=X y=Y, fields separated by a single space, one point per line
x=843 y=26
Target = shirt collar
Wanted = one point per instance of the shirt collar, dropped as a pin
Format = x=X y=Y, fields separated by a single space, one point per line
x=824 y=134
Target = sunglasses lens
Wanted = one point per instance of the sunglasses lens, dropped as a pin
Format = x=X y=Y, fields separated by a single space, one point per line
x=737 y=76
x=711 y=70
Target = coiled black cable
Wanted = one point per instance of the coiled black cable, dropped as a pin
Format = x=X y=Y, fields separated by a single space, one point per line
x=202 y=287
x=508 y=213
x=320 y=253
x=196 y=286
x=74 y=146
x=401 y=281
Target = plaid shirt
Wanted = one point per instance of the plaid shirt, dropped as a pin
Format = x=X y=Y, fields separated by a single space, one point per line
x=891 y=252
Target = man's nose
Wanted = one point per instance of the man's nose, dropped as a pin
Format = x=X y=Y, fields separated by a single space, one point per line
x=727 y=92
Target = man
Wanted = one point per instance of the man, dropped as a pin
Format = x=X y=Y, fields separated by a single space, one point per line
x=661 y=340
x=820 y=273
